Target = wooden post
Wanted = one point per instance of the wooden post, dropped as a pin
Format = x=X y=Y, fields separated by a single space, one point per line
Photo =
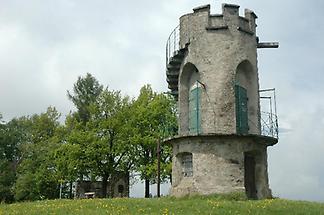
x=158 y=167
x=61 y=186
x=267 y=45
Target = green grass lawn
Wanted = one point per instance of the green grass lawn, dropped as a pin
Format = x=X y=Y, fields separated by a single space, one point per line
x=166 y=205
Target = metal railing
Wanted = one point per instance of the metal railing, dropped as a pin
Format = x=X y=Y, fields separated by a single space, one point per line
x=269 y=124
x=268 y=118
x=173 y=44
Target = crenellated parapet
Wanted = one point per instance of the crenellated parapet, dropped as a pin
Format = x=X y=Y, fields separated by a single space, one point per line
x=230 y=19
x=201 y=20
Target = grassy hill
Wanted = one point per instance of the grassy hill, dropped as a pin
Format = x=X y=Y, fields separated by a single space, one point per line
x=230 y=204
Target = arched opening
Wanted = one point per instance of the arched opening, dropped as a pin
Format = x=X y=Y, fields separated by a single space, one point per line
x=246 y=97
x=190 y=100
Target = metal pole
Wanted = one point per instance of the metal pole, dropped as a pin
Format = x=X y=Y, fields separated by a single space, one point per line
x=265 y=90
x=271 y=121
x=275 y=107
x=169 y=49
x=174 y=39
x=158 y=167
x=166 y=57
x=275 y=102
x=197 y=107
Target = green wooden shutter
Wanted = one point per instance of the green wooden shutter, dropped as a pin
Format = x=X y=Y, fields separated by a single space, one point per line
x=194 y=110
x=241 y=110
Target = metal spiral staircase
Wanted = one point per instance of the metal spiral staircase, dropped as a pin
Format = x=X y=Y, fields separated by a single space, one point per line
x=174 y=58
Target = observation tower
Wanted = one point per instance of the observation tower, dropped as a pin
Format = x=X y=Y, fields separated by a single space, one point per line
x=225 y=121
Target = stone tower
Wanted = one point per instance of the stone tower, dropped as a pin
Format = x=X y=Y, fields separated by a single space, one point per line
x=212 y=73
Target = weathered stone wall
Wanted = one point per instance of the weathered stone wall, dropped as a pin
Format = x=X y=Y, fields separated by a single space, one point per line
x=216 y=47
x=218 y=165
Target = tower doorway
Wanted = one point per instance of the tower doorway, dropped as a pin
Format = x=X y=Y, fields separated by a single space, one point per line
x=249 y=176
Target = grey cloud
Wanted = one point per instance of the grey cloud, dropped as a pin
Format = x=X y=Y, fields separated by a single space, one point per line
x=296 y=162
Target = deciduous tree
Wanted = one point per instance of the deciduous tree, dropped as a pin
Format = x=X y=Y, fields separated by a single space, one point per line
x=36 y=175
x=85 y=92
x=153 y=119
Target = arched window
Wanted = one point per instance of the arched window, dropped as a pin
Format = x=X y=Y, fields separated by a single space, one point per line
x=245 y=97
x=188 y=114
x=194 y=108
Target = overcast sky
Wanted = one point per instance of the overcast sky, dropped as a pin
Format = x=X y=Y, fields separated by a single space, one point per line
x=45 y=45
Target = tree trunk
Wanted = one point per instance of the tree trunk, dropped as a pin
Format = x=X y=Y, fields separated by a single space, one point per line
x=111 y=189
x=70 y=190
x=104 y=186
x=147 y=188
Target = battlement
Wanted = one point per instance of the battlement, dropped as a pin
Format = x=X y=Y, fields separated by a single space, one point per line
x=228 y=20
x=230 y=17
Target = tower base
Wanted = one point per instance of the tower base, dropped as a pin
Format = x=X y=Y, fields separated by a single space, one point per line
x=210 y=164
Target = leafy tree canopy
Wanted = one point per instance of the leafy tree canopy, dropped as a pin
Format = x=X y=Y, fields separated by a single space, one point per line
x=85 y=92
